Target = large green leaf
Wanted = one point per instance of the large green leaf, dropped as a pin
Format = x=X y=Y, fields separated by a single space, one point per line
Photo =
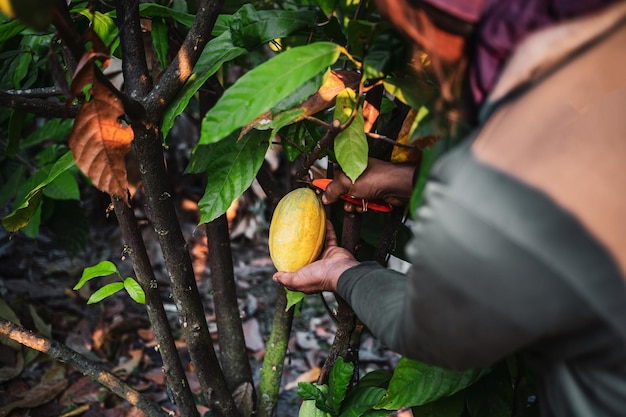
x=415 y=383
x=64 y=187
x=351 y=147
x=215 y=54
x=264 y=87
x=251 y=28
x=231 y=167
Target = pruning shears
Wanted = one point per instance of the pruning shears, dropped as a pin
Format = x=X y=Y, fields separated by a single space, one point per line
x=375 y=205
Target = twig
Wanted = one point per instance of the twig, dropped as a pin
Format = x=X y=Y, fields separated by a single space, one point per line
x=36 y=106
x=42 y=92
x=62 y=353
x=391 y=141
x=319 y=148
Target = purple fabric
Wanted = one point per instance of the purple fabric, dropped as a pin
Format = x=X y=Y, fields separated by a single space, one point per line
x=503 y=24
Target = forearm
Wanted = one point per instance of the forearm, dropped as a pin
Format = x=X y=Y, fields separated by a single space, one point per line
x=376 y=295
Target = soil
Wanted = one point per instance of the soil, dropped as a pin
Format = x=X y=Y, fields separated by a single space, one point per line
x=36 y=281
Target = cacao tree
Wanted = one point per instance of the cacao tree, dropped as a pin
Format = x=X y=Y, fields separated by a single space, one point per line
x=91 y=92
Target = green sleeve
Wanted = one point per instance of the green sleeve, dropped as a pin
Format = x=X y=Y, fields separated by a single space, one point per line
x=497 y=267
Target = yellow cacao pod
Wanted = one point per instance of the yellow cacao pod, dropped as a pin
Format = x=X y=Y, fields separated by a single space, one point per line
x=297 y=230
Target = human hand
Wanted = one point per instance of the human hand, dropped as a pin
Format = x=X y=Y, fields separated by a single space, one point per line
x=321 y=275
x=381 y=180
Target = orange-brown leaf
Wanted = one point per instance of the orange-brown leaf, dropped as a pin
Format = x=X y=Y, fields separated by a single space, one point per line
x=336 y=82
x=100 y=142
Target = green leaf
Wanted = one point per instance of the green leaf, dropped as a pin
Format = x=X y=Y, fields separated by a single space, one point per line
x=423 y=125
x=105 y=292
x=293 y=298
x=64 y=187
x=231 y=167
x=338 y=382
x=415 y=383
x=387 y=53
x=308 y=409
x=64 y=163
x=21 y=69
x=327 y=6
x=250 y=28
x=301 y=93
x=351 y=147
x=156 y=10
x=105 y=28
x=264 y=87
x=54 y=129
x=411 y=91
x=101 y=269
x=160 y=40
x=134 y=290
x=309 y=391
x=10 y=29
x=361 y=399
x=21 y=215
x=298 y=138
x=378 y=379
x=216 y=52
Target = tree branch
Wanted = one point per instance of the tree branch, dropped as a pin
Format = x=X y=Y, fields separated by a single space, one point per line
x=37 y=106
x=179 y=70
x=62 y=353
x=172 y=365
x=319 y=148
x=233 y=355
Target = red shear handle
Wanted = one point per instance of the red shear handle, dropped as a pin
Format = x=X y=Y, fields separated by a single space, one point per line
x=376 y=205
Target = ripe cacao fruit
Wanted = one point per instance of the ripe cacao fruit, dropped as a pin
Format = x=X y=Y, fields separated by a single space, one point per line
x=297 y=230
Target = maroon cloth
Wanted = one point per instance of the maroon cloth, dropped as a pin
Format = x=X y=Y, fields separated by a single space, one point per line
x=503 y=24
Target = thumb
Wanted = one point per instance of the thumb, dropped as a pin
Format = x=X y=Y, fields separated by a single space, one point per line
x=335 y=189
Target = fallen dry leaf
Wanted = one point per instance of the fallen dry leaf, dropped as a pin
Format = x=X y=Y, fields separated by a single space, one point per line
x=244 y=398
x=309 y=376
x=36 y=396
x=129 y=366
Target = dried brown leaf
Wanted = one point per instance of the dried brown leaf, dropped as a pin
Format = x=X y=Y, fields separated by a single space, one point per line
x=36 y=396
x=100 y=142
x=244 y=398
